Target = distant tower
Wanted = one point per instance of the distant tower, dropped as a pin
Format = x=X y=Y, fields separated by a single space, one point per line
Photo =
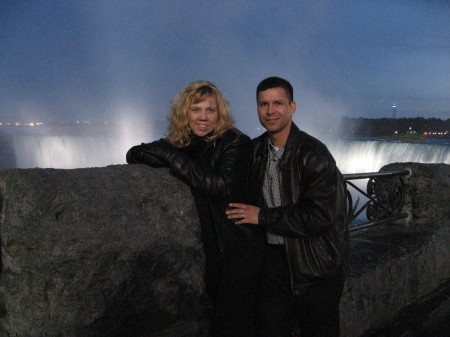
x=394 y=110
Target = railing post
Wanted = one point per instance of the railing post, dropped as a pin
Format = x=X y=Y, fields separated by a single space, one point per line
x=385 y=194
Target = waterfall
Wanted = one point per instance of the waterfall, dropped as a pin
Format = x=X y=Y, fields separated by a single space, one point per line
x=358 y=156
x=68 y=150
x=62 y=149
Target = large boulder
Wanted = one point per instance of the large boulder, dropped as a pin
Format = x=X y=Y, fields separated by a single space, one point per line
x=111 y=251
x=115 y=251
x=395 y=267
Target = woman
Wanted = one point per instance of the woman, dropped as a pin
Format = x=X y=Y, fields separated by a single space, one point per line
x=206 y=152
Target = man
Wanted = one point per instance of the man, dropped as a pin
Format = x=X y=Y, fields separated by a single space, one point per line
x=298 y=195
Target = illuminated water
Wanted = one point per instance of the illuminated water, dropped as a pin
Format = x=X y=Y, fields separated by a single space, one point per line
x=76 y=148
x=69 y=147
x=357 y=156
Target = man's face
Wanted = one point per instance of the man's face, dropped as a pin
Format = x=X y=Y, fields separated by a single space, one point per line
x=274 y=111
x=203 y=116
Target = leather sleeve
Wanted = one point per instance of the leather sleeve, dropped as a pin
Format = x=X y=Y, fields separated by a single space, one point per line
x=321 y=202
x=138 y=155
x=215 y=182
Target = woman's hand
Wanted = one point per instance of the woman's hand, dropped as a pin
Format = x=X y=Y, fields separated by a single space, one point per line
x=243 y=213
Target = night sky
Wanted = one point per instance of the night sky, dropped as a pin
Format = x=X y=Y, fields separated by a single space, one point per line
x=111 y=60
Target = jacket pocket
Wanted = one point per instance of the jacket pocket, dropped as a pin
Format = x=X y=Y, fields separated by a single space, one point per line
x=313 y=259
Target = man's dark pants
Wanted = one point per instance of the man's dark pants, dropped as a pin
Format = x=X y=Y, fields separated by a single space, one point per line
x=315 y=313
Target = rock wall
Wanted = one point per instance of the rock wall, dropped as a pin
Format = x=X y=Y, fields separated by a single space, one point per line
x=427 y=191
x=115 y=251
x=111 y=251
x=393 y=266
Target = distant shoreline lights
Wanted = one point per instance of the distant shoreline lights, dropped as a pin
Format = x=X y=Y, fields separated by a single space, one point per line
x=73 y=123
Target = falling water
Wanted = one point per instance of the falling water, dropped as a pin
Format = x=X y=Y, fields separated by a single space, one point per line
x=357 y=156
x=32 y=148
x=71 y=150
x=68 y=151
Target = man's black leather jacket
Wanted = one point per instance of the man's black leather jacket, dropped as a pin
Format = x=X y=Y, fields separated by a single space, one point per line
x=313 y=215
x=215 y=172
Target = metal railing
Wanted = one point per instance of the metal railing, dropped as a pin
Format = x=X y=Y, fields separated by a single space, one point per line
x=385 y=194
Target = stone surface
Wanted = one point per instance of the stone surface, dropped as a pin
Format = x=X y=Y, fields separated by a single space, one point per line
x=427 y=191
x=111 y=251
x=115 y=251
x=428 y=318
x=390 y=268
x=396 y=265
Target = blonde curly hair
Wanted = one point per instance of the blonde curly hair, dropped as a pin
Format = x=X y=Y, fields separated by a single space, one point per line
x=194 y=93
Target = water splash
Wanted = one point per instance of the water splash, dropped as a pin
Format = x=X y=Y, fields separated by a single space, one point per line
x=357 y=156
x=67 y=151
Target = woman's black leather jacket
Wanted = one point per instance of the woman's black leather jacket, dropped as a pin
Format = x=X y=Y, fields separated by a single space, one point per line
x=313 y=215
x=214 y=170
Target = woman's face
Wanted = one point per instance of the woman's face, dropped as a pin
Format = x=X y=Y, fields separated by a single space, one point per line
x=203 y=116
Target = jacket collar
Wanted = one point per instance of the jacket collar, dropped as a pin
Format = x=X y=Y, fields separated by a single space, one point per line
x=294 y=132
x=262 y=149
x=292 y=140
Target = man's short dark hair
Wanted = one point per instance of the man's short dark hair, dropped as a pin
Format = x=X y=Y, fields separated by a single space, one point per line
x=276 y=82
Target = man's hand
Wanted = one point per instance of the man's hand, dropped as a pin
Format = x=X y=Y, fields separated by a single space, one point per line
x=243 y=213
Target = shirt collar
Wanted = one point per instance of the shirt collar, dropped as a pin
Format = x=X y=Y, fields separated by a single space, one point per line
x=274 y=152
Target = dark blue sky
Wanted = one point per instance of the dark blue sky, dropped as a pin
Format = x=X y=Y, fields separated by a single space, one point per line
x=106 y=60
